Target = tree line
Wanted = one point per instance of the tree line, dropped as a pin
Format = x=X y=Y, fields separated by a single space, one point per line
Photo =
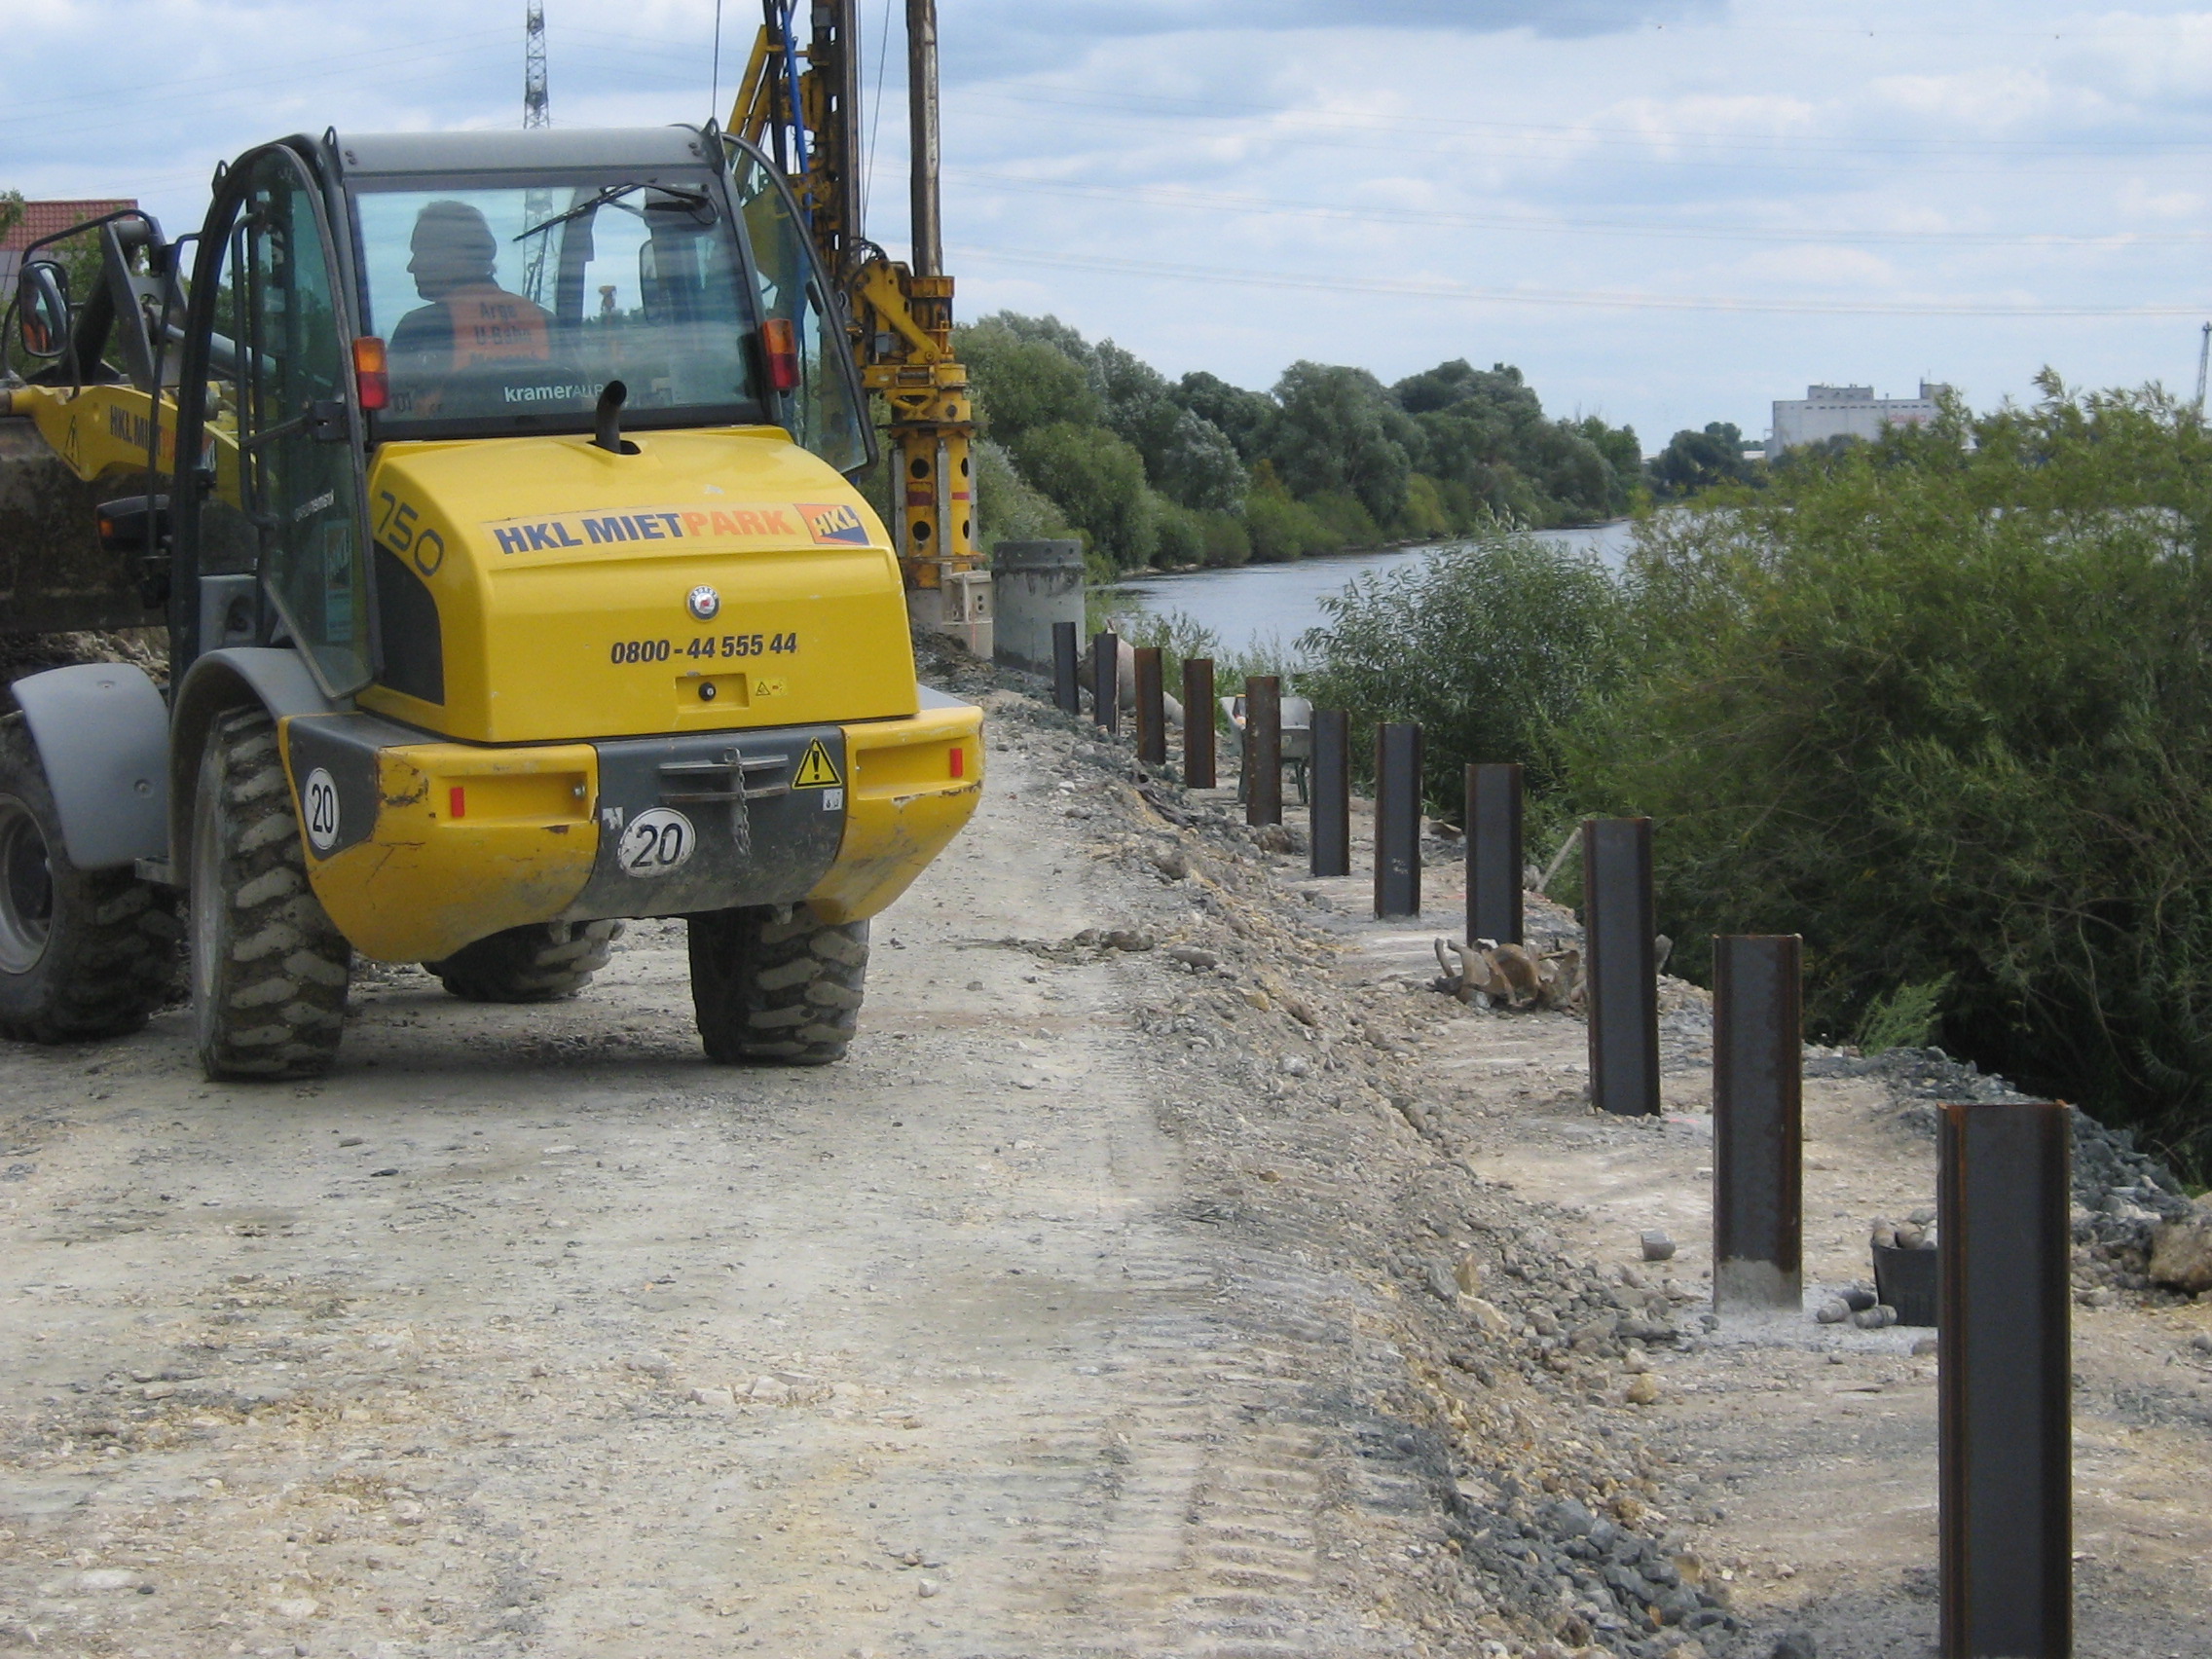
x=1940 y=702
x=1086 y=439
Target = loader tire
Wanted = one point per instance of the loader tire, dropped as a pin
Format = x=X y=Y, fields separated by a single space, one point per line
x=542 y=962
x=776 y=985
x=269 y=967
x=83 y=953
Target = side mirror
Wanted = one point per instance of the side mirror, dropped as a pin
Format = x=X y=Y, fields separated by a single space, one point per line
x=42 y=310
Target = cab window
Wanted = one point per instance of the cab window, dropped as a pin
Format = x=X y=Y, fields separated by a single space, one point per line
x=826 y=413
x=291 y=509
x=509 y=306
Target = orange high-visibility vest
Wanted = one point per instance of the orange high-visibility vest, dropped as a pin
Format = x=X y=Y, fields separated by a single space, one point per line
x=491 y=325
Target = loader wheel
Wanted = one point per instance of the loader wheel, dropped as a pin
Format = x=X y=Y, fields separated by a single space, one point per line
x=83 y=953
x=776 y=985
x=543 y=962
x=269 y=969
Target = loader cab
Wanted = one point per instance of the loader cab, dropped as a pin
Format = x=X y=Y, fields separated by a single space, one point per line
x=352 y=292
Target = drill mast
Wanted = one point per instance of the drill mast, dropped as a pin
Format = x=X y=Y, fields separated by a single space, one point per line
x=800 y=104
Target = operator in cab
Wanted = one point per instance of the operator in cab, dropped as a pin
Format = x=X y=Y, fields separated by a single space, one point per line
x=470 y=320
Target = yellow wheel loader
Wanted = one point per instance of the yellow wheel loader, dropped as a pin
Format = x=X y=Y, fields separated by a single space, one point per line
x=494 y=491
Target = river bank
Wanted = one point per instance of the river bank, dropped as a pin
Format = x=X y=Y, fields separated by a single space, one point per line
x=1268 y=606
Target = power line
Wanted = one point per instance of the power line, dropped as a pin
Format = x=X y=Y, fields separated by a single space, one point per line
x=1326 y=132
x=1213 y=202
x=1578 y=300
x=1146 y=104
x=875 y=109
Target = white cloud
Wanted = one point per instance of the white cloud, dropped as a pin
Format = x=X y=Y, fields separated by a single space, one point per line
x=1777 y=154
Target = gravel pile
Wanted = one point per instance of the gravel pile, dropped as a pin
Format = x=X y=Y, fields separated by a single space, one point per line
x=1517 y=1376
x=2121 y=1192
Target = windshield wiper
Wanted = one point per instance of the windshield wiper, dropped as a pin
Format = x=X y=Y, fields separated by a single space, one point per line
x=692 y=199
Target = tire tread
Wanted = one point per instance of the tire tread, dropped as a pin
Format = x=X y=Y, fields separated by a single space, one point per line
x=117 y=960
x=278 y=1009
x=541 y=962
x=785 y=988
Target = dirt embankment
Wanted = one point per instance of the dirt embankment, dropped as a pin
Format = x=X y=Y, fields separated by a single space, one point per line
x=1166 y=1271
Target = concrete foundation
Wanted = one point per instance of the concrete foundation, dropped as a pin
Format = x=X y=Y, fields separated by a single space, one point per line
x=960 y=610
x=1034 y=585
x=1742 y=1286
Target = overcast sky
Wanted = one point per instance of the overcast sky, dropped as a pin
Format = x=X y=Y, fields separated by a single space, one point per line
x=1667 y=213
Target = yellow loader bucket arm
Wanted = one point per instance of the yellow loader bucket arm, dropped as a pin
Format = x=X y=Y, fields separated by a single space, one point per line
x=114 y=426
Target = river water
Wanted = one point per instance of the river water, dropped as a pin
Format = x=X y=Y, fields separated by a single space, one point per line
x=1271 y=604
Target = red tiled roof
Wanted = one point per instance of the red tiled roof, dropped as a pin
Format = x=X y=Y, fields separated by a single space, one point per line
x=44 y=218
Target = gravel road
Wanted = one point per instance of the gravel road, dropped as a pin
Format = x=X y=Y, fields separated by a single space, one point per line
x=1166 y=1272
x=528 y=1330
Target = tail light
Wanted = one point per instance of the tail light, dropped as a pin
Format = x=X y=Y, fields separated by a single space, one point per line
x=780 y=341
x=370 y=378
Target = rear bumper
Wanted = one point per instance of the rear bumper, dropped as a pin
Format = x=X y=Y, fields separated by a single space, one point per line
x=914 y=784
x=418 y=848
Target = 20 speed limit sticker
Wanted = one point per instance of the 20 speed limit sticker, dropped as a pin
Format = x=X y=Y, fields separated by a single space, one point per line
x=318 y=806
x=657 y=843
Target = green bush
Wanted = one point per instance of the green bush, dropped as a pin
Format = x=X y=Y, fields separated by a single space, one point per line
x=1426 y=517
x=1943 y=705
x=1179 y=535
x=1491 y=645
x=1180 y=636
x=1019 y=384
x=1097 y=480
x=1007 y=508
x=1227 y=540
x=1907 y=1017
x=1278 y=527
x=1348 y=524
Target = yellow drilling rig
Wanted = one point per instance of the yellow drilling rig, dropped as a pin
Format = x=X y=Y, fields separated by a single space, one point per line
x=799 y=102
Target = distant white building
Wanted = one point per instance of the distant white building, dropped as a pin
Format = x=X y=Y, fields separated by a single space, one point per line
x=1846 y=412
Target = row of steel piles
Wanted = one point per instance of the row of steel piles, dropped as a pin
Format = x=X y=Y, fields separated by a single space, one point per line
x=2003 y=1337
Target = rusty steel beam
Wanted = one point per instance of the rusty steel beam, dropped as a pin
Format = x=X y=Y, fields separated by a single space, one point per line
x=1197 y=723
x=1152 y=709
x=1330 y=837
x=2004 y=1383
x=1494 y=853
x=1621 y=963
x=1758 y=1124
x=1106 y=680
x=1397 y=819
x=1067 y=663
x=1262 y=749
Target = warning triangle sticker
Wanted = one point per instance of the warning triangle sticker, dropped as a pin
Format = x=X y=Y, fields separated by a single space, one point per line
x=816 y=771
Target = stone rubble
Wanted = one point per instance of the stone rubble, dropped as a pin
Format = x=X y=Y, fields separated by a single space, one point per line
x=2129 y=1210
x=1529 y=1366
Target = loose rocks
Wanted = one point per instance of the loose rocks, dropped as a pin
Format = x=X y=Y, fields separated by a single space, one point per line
x=2181 y=1253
